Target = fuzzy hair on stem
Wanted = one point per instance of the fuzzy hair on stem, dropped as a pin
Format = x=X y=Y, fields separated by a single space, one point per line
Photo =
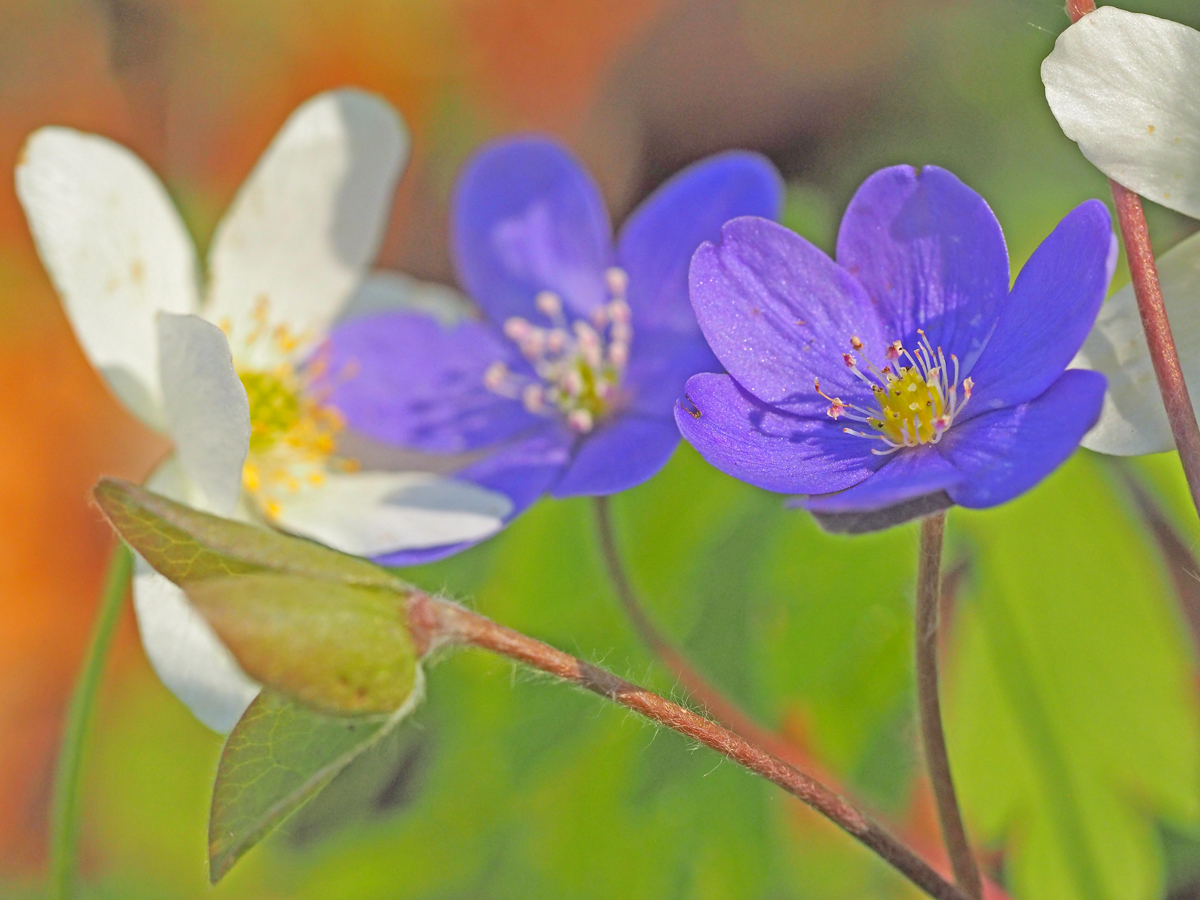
x=437 y=623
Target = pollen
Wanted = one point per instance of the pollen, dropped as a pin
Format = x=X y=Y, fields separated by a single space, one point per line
x=915 y=403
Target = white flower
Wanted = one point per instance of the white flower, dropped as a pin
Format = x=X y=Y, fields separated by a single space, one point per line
x=1126 y=87
x=233 y=374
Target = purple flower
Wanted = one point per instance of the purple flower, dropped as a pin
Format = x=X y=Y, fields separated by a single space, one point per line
x=906 y=376
x=569 y=384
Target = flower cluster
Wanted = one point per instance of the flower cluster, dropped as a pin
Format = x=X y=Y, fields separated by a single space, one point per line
x=901 y=378
x=567 y=385
x=231 y=376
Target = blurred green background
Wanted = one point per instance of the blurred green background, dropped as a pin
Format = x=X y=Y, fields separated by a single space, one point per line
x=1070 y=669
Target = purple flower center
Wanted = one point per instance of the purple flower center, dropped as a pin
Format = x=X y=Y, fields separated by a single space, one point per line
x=917 y=403
x=578 y=365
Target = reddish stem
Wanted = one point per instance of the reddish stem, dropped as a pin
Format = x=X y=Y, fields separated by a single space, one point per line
x=1161 y=343
x=437 y=622
x=699 y=688
x=713 y=699
x=933 y=738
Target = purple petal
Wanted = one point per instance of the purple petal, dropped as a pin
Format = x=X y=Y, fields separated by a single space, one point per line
x=906 y=475
x=930 y=253
x=619 y=456
x=527 y=218
x=1006 y=452
x=523 y=470
x=407 y=380
x=1050 y=311
x=657 y=241
x=768 y=447
x=779 y=313
x=660 y=364
x=526 y=468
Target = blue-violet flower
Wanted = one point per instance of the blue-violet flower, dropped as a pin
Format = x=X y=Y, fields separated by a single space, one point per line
x=569 y=384
x=906 y=376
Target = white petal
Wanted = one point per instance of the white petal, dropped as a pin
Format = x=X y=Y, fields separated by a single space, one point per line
x=185 y=653
x=1126 y=87
x=308 y=221
x=372 y=513
x=387 y=291
x=208 y=416
x=1133 y=420
x=116 y=250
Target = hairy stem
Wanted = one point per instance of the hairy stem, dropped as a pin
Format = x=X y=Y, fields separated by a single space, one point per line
x=966 y=871
x=699 y=688
x=434 y=621
x=1159 y=339
x=64 y=811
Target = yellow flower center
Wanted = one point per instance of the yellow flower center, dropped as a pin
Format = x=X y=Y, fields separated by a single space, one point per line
x=293 y=435
x=909 y=406
x=917 y=402
x=275 y=408
x=293 y=438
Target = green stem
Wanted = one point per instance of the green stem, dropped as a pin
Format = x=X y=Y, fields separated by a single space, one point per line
x=64 y=810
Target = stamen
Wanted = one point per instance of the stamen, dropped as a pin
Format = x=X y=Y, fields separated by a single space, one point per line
x=580 y=420
x=618 y=282
x=292 y=434
x=516 y=328
x=534 y=398
x=917 y=402
x=578 y=365
x=549 y=304
x=495 y=376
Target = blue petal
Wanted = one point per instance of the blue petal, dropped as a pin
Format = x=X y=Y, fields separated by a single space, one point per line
x=404 y=379
x=526 y=468
x=526 y=218
x=1006 y=452
x=657 y=241
x=660 y=364
x=768 y=447
x=618 y=456
x=523 y=470
x=930 y=253
x=1050 y=311
x=779 y=313
x=907 y=474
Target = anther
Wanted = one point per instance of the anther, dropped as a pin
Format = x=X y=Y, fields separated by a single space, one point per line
x=548 y=303
x=556 y=341
x=580 y=420
x=516 y=328
x=533 y=397
x=495 y=376
x=618 y=282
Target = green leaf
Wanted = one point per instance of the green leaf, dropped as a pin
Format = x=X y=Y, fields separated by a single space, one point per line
x=336 y=647
x=1073 y=722
x=279 y=756
x=187 y=545
x=321 y=627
